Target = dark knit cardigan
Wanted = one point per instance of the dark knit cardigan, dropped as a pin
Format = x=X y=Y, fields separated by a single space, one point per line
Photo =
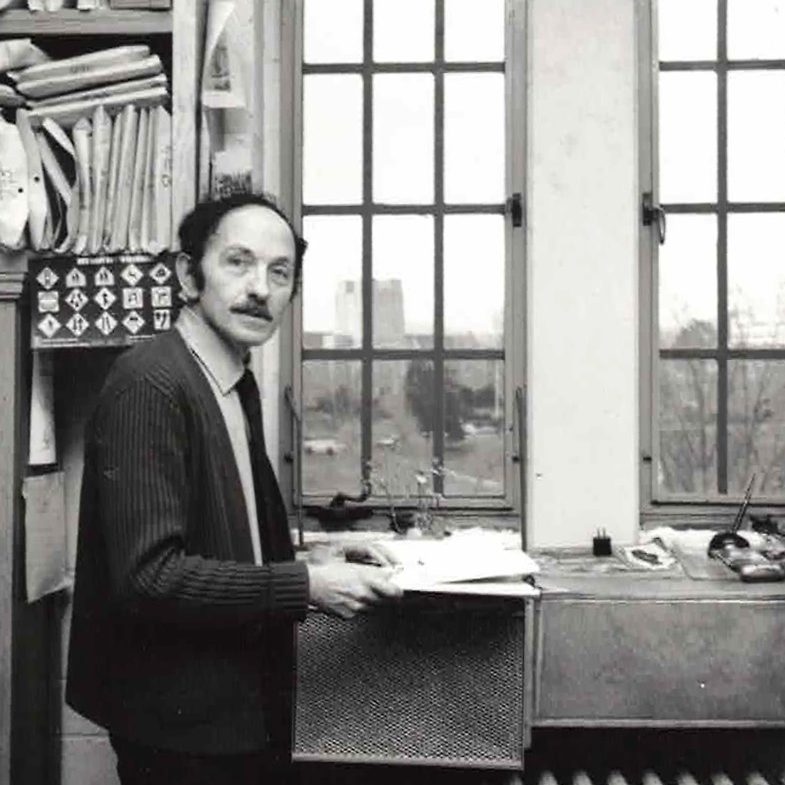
x=178 y=639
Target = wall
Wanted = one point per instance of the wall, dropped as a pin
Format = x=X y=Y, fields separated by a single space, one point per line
x=582 y=257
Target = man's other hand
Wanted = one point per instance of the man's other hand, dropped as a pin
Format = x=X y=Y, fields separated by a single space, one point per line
x=344 y=589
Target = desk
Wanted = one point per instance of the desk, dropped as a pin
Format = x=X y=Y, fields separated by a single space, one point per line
x=640 y=650
x=439 y=681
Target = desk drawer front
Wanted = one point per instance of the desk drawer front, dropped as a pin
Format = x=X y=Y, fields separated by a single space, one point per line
x=425 y=687
x=700 y=662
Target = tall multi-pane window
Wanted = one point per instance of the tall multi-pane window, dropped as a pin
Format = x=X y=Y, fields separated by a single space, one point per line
x=407 y=176
x=720 y=284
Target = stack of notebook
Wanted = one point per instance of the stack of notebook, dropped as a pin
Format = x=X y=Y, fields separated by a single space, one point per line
x=96 y=136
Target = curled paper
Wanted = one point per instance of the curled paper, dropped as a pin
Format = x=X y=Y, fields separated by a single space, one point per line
x=36 y=190
x=14 y=206
x=20 y=53
x=226 y=101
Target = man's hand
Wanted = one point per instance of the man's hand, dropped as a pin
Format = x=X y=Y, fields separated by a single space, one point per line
x=344 y=589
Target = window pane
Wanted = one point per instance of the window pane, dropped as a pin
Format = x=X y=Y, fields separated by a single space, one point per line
x=756 y=280
x=333 y=31
x=474 y=30
x=474 y=138
x=688 y=429
x=474 y=428
x=401 y=425
x=331 y=427
x=756 y=426
x=403 y=117
x=688 y=137
x=403 y=281
x=474 y=281
x=756 y=129
x=687 y=30
x=756 y=30
x=332 y=139
x=687 y=270
x=403 y=31
x=332 y=294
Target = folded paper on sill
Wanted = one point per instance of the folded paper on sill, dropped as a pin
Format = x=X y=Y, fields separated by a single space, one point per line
x=45 y=538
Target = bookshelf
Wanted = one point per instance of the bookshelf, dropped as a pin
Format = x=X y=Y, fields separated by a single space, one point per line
x=32 y=725
x=69 y=21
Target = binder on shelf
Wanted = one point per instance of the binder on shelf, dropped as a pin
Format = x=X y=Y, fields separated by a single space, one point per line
x=111 y=185
x=161 y=216
x=145 y=232
x=83 y=132
x=137 y=184
x=102 y=141
x=125 y=175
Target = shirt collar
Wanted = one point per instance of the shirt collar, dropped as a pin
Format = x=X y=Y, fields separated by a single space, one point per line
x=223 y=365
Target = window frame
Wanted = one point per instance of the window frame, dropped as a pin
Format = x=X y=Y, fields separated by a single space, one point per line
x=656 y=506
x=513 y=349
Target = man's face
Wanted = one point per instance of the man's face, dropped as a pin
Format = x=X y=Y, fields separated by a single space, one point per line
x=248 y=268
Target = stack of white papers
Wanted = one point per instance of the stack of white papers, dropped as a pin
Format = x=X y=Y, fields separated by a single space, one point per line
x=96 y=136
x=471 y=562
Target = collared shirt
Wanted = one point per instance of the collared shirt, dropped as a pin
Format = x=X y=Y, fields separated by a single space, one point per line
x=223 y=369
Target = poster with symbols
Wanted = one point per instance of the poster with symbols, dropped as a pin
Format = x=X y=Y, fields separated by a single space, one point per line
x=101 y=300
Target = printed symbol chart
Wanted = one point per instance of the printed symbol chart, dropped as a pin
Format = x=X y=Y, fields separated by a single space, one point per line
x=101 y=300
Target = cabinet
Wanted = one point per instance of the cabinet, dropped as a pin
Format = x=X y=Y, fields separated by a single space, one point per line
x=33 y=726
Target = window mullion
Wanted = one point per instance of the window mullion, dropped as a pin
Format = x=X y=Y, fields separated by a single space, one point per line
x=438 y=247
x=367 y=243
x=722 y=247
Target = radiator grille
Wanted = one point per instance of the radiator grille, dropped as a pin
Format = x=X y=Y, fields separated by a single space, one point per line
x=426 y=687
x=651 y=777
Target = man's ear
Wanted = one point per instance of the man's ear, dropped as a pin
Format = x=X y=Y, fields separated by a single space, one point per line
x=189 y=291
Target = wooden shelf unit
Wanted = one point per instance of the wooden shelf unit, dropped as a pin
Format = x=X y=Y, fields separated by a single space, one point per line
x=69 y=21
x=33 y=633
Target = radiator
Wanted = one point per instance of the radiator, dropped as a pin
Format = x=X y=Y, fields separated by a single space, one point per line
x=427 y=686
x=651 y=777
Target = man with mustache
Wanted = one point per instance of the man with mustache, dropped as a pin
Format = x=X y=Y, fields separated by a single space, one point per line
x=187 y=590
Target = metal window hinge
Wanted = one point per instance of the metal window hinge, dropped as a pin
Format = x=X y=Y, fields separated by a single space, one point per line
x=515 y=209
x=652 y=213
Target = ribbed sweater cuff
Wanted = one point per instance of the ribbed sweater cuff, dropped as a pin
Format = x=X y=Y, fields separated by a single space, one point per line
x=289 y=588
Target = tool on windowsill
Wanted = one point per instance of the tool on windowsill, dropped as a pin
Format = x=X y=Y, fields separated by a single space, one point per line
x=731 y=537
x=338 y=514
x=733 y=550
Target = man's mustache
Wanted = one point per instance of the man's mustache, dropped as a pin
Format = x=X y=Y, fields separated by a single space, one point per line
x=259 y=310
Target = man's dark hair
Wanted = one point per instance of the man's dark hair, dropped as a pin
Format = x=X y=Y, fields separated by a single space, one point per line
x=199 y=225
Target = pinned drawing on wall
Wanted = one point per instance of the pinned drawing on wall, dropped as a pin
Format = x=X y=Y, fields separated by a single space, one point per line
x=42 y=451
x=226 y=135
x=45 y=535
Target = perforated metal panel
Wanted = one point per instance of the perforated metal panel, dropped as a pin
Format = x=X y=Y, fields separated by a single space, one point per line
x=412 y=685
